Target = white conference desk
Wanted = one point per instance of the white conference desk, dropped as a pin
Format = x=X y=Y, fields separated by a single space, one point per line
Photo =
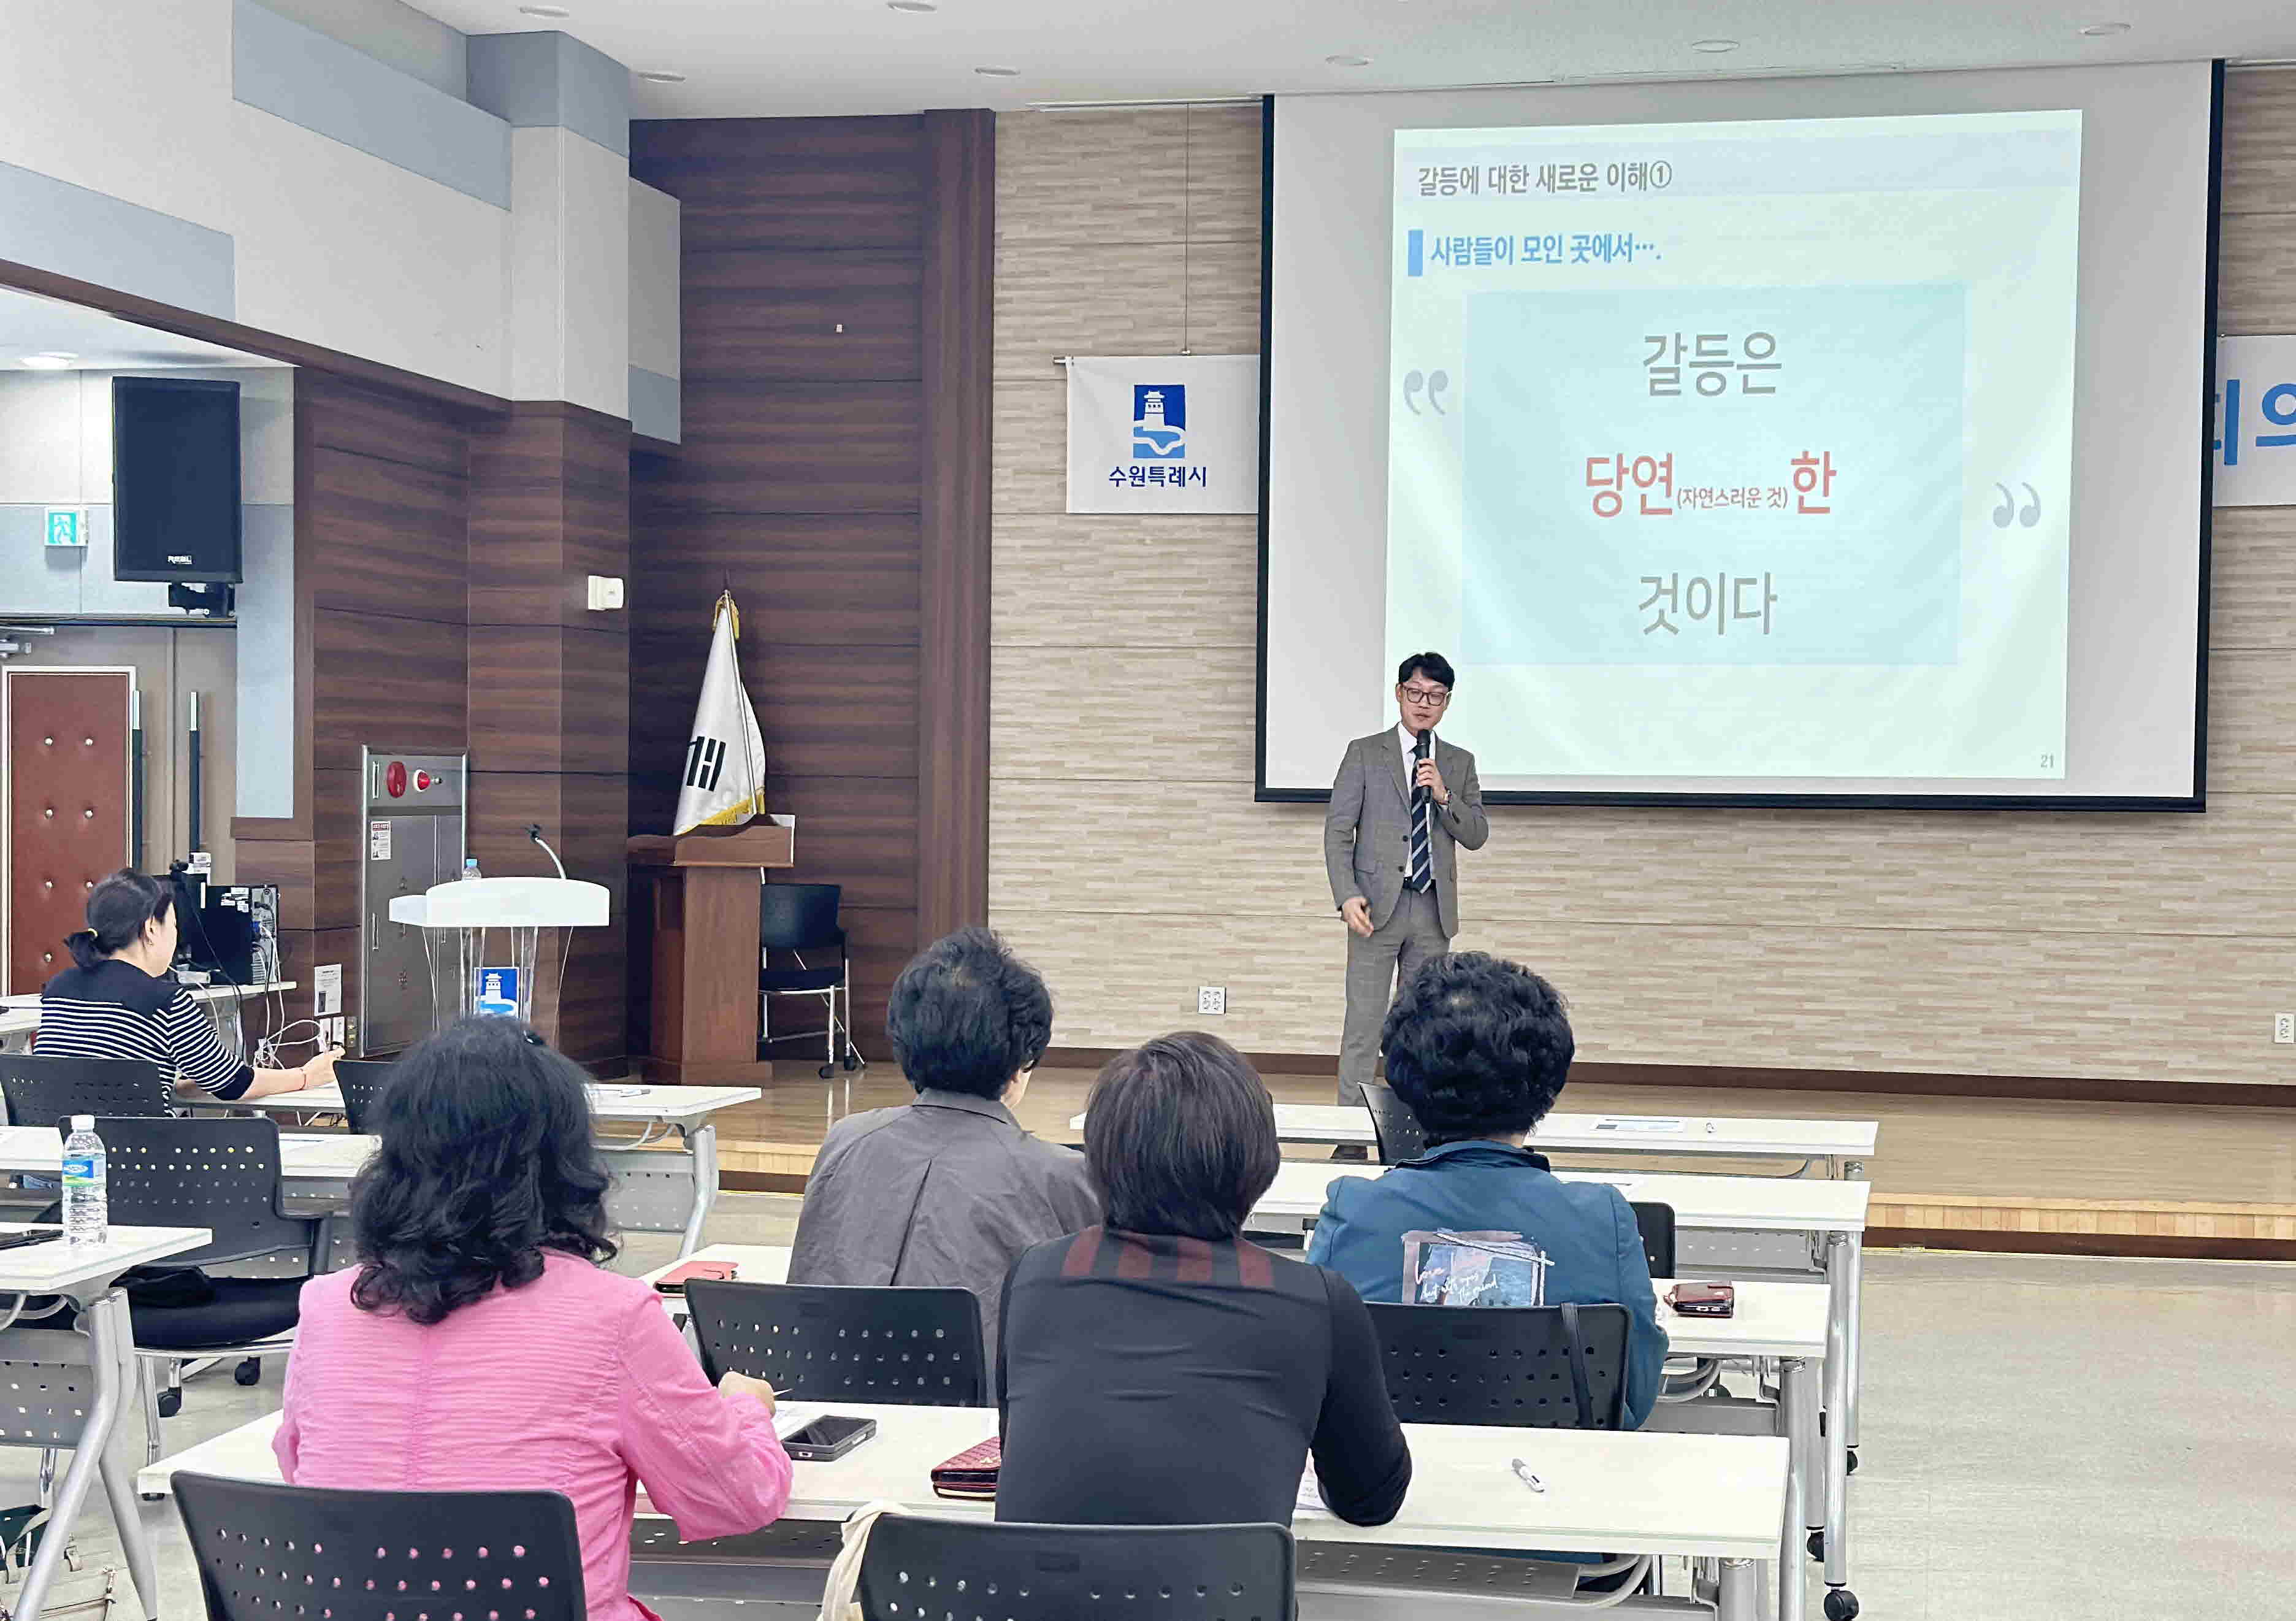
x=1786 y=1322
x=1835 y=1148
x=690 y=1110
x=19 y=1015
x=85 y=1274
x=1704 y=1496
x=1831 y=1212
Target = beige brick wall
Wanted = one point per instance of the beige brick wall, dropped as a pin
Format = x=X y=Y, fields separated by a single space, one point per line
x=1128 y=861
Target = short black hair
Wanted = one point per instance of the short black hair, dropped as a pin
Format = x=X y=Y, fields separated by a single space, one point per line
x=1477 y=1047
x=488 y=1158
x=1434 y=666
x=967 y=1016
x=118 y=908
x=1180 y=1135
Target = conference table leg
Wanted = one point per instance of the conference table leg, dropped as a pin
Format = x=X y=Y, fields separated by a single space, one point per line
x=1841 y=1253
x=701 y=1144
x=1855 y=1245
x=1741 y=1594
x=1799 y=1413
x=110 y=1346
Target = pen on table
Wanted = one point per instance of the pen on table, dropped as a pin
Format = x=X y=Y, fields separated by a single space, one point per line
x=1522 y=1473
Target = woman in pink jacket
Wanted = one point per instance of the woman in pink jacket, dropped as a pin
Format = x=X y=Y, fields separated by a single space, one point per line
x=479 y=1346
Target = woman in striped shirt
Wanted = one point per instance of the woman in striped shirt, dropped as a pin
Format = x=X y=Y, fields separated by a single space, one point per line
x=119 y=1002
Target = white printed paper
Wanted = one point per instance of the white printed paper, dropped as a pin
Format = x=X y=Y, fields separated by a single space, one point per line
x=378 y=841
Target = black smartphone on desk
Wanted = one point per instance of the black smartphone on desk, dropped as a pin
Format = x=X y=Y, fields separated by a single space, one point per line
x=829 y=1436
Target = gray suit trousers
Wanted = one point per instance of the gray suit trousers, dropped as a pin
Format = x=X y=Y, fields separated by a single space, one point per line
x=1392 y=955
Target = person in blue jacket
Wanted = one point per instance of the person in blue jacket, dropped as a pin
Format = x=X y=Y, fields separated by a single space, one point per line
x=1478 y=1047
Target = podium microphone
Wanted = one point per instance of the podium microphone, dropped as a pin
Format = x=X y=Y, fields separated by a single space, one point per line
x=534 y=832
x=1422 y=749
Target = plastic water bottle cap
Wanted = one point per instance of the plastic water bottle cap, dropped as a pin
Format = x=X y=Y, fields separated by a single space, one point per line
x=82 y=1123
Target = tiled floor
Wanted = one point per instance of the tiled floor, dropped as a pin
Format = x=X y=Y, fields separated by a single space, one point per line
x=2043 y=1437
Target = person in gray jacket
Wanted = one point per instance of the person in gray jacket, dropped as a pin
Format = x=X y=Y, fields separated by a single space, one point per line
x=1404 y=804
x=948 y=1190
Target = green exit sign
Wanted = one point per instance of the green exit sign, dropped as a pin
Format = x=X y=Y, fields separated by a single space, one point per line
x=68 y=526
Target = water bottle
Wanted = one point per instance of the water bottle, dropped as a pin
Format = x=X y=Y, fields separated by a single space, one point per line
x=469 y=868
x=86 y=1219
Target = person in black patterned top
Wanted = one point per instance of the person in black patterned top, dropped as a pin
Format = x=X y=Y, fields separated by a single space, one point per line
x=119 y=1002
x=1159 y=1370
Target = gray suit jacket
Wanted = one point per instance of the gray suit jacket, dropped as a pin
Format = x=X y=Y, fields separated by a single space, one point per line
x=1367 y=831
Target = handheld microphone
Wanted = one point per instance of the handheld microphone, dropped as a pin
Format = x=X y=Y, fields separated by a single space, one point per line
x=1422 y=749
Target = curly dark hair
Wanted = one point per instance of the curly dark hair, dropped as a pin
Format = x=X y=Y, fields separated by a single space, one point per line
x=1477 y=1047
x=487 y=1161
x=967 y=1016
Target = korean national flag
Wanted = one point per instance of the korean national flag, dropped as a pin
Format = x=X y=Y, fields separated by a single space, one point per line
x=725 y=780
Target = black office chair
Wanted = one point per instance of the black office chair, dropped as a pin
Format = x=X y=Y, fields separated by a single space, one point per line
x=361 y=1080
x=917 y=1567
x=49 y=1091
x=267 y=1551
x=222 y=1175
x=817 y=1342
x=1553 y=1367
x=1656 y=1224
x=799 y=918
x=1393 y=1125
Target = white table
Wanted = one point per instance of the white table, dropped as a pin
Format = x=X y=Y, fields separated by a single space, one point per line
x=1833 y=1147
x=1786 y=1322
x=19 y=1015
x=690 y=1110
x=310 y=1162
x=85 y=1274
x=1704 y=1496
x=1833 y=1213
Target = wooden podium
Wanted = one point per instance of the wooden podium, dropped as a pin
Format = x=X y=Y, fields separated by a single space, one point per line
x=699 y=891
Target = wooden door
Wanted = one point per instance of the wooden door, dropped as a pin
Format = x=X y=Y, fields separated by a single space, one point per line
x=67 y=805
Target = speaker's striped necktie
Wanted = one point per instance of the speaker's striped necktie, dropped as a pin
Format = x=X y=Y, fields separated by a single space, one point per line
x=1423 y=834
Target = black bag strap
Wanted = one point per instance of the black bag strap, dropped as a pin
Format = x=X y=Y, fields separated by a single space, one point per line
x=1582 y=1392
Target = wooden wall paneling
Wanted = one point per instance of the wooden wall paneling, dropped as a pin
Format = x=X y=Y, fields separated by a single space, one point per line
x=392 y=683
x=800 y=484
x=954 y=581
x=546 y=698
x=396 y=538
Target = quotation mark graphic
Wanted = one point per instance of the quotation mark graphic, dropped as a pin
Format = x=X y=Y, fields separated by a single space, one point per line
x=1434 y=382
x=2026 y=516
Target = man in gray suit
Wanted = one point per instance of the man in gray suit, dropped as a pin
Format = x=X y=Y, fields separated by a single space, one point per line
x=1403 y=803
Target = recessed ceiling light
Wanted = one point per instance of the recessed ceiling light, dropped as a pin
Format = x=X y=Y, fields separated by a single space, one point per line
x=1713 y=47
x=911 y=5
x=545 y=10
x=662 y=76
x=50 y=360
x=1348 y=62
x=2104 y=30
x=998 y=72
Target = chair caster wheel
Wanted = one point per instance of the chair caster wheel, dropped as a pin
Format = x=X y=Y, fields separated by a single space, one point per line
x=852 y=1064
x=248 y=1372
x=827 y=1071
x=1853 y=1461
x=1817 y=1544
x=1840 y=1604
x=171 y=1402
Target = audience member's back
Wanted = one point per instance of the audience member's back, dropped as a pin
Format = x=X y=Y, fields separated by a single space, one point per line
x=479 y=1346
x=948 y=1190
x=1480 y=1049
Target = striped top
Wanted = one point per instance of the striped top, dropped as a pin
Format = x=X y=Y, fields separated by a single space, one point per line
x=116 y=1010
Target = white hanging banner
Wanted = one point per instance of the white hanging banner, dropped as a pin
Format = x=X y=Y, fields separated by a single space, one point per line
x=1164 y=434
x=2255 y=440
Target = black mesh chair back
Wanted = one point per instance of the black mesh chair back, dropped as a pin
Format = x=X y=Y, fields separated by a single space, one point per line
x=818 y=1342
x=1657 y=1224
x=266 y=1551
x=917 y=1569
x=798 y=917
x=1393 y=1124
x=219 y=1174
x=1505 y=1364
x=361 y=1080
x=49 y=1091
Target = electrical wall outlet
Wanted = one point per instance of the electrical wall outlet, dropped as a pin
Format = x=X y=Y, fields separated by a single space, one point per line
x=605 y=592
x=1212 y=998
x=2283 y=1028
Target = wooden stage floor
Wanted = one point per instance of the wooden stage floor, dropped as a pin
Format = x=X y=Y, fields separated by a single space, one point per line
x=1951 y=1173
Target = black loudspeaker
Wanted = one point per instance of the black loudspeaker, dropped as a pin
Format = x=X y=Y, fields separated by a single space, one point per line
x=174 y=479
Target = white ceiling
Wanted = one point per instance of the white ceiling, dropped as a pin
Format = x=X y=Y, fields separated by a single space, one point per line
x=31 y=325
x=753 y=57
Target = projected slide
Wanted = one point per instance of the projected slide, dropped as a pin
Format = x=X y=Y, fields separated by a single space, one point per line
x=1739 y=449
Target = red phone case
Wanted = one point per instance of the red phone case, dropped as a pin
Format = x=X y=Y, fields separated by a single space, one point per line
x=673 y=1281
x=972 y=1473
